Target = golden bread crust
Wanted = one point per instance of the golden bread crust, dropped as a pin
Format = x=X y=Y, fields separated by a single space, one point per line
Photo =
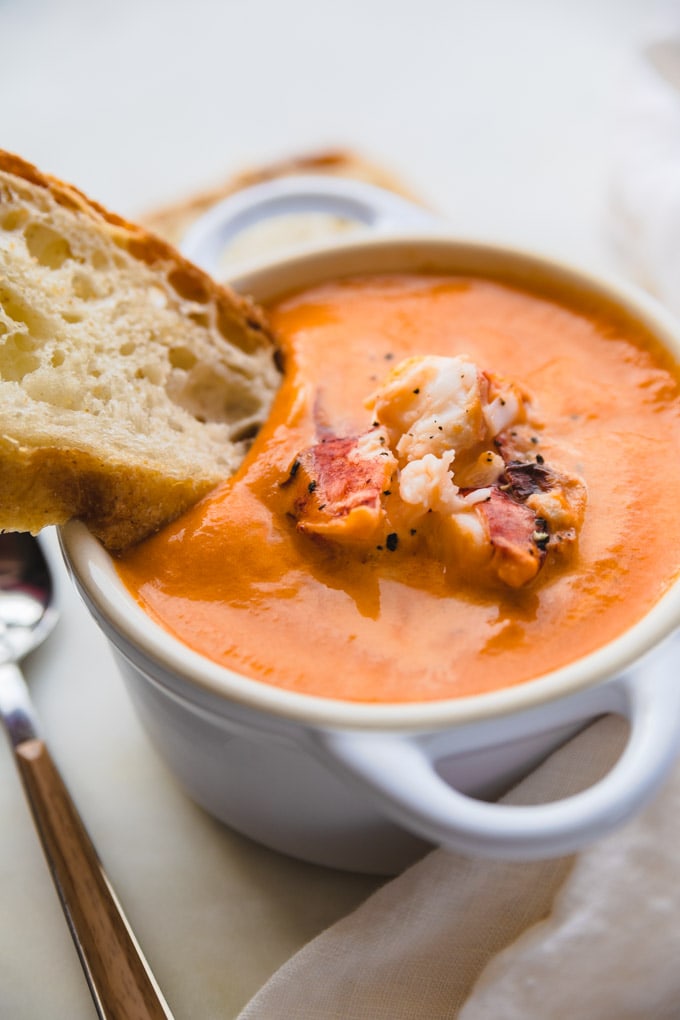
x=114 y=479
x=145 y=245
x=119 y=504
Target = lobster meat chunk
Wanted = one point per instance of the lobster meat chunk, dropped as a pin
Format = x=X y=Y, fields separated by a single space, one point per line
x=452 y=457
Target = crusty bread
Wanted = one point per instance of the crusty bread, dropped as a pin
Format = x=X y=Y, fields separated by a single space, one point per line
x=130 y=382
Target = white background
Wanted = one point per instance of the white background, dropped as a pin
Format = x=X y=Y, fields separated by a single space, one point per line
x=500 y=114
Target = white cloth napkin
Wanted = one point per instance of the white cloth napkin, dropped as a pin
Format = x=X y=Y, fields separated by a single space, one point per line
x=596 y=936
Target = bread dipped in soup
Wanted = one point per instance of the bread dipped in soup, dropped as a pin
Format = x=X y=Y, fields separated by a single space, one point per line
x=464 y=483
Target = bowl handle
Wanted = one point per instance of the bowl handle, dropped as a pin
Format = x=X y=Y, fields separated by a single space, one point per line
x=399 y=775
x=376 y=208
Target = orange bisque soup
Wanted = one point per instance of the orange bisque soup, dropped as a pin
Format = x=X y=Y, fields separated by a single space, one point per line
x=462 y=485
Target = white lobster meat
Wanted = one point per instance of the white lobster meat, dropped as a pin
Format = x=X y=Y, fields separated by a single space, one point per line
x=452 y=464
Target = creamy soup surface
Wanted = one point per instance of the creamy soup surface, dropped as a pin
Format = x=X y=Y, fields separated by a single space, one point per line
x=236 y=580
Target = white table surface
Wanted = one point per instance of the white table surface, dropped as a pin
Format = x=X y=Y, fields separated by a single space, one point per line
x=499 y=113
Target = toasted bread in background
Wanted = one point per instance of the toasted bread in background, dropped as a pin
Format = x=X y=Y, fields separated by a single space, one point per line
x=130 y=382
x=173 y=221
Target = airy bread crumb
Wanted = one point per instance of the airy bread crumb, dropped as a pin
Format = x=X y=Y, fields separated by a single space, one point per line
x=130 y=382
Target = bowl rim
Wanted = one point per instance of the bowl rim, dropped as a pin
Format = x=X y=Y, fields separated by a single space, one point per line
x=127 y=624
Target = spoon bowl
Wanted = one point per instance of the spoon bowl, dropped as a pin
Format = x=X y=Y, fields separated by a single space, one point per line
x=27 y=609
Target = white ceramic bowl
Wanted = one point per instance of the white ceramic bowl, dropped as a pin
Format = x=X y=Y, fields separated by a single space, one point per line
x=368 y=787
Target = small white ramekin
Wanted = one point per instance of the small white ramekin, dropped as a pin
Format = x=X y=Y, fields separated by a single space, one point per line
x=368 y=787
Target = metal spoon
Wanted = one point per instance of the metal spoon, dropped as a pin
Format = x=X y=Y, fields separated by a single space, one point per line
x=120 y=979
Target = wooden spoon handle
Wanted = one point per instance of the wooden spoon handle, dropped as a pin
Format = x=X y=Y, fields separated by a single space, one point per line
x=121 y=982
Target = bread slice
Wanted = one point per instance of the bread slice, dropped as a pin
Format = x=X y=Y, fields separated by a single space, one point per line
x=130 y=382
